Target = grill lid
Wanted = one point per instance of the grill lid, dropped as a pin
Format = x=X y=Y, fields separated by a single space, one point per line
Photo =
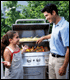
x=31 y=29
x=30 y=26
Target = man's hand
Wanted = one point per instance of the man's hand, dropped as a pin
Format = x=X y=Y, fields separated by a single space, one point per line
x=39 y=40
x=62 y=71
x=42 y=38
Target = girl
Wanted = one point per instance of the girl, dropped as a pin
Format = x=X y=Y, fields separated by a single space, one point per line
x=12 y=55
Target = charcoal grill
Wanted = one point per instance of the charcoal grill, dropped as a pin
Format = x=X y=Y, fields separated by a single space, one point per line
x=34 y=63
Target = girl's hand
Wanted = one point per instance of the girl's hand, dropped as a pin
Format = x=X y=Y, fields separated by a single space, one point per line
x=24 y=48
x=6 y=63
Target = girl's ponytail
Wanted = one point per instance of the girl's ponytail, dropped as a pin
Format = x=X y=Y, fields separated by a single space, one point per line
x=5 y=40
x=4 y=43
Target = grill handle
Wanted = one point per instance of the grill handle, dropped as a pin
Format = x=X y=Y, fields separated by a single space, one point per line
x=33 y=74
x=30 y=20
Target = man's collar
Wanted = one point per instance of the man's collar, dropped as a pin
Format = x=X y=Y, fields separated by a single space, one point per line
x=60 y=22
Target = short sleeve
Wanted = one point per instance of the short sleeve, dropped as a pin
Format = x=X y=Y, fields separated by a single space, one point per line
x=65 y=34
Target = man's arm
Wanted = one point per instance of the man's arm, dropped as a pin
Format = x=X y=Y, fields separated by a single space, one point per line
x=66 y=58
x=44 y=37
x=62 y=70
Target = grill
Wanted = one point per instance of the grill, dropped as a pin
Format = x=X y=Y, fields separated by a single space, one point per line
x=35 y=64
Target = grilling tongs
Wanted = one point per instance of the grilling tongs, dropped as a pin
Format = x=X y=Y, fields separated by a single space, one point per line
x=35 y=45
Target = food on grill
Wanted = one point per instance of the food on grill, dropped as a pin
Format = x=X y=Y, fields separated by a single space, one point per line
x=28 y=39
x=46 y=49
x=37 y=49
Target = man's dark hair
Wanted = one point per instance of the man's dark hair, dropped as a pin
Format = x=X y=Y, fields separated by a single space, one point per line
x=49 y=8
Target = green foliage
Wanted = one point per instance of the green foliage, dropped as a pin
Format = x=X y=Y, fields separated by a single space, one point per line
x=32 y=11
x=10 y=4
x=4 y=27
x=34 y=8
x=12 y=14
x=64 y=9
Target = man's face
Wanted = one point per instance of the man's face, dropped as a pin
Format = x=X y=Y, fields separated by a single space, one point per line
x=49 y=17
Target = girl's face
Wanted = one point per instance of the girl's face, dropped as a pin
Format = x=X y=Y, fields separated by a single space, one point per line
x=15 y=39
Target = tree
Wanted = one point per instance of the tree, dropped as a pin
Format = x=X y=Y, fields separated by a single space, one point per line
x=12 y=14
x=33 y=10
x=4 y=27
x=64 y=9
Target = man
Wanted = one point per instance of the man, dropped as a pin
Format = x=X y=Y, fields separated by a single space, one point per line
x=59 y=42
